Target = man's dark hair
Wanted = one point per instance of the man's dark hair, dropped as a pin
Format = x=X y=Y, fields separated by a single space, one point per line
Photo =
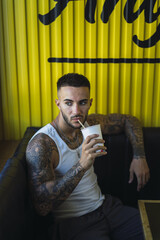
x=73 y=80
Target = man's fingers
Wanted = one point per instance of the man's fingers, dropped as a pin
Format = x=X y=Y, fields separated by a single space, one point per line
x=131 y=176
x=140 y=184
x=90 y=137
x=146 y=178
x=142 y=180
x=92 y=142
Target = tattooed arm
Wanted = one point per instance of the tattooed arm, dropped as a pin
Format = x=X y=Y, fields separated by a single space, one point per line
x=117 y=123
x=47 y=192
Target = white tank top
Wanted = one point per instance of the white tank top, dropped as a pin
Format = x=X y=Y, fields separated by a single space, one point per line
x=87 y=195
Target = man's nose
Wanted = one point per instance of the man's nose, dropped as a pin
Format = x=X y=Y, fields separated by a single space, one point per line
x=76 y=109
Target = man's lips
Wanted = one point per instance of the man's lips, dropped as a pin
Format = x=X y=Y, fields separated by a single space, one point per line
x=76 y=118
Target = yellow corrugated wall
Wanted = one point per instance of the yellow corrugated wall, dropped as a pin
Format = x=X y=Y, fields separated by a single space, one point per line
x=94 y=38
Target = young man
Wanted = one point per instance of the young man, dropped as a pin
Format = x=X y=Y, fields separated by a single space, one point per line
x=61 y=175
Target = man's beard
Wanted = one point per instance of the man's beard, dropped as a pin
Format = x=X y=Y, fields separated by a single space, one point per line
x=67 y=120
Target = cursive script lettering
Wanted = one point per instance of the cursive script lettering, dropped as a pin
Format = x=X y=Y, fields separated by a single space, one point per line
x=147 y=6
x=54 y=13
x=130 y=16
x=108 y=8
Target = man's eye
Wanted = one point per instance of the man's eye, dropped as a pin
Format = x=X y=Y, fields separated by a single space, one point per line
x=83 y=103
x=68 y=103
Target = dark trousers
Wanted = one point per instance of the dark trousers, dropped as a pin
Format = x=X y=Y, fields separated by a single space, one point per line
x=111 y=221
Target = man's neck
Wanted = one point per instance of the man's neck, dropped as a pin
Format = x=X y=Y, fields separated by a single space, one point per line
x=72 y=138
x=62 y=126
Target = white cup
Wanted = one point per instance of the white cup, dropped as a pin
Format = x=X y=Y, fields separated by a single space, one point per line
x=95 y=129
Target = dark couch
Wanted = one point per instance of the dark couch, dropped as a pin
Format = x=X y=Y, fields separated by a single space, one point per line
x=18 y=219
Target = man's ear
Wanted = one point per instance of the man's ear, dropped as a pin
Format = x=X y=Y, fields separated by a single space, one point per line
x=91 y=100
x=57 y=103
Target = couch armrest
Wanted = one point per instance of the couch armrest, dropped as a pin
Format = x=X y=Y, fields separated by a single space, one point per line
x=16 y=213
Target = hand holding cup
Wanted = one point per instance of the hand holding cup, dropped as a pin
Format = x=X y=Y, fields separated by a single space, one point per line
x=93 y=145
x=95 y=129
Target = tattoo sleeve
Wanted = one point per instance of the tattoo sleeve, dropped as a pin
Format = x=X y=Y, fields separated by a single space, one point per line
x=117 y=123
x=134 y=132
x=48 y=192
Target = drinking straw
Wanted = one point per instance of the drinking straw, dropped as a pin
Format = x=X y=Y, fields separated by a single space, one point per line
x=81 y=124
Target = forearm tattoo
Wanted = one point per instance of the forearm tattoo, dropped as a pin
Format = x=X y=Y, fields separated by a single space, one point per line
x=134 y=132
x=117 y=123
x=48 y=192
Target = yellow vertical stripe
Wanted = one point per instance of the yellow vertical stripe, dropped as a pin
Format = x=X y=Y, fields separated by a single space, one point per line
x=114 y=52
x=45 y=67
x=102 y=70
x=22 y=64
x=11 y=71
x=68 y=37
x=148 y=78
x=137 y=70
x=125 y=69
x=56 y=51
x=5 y=128
x=33 y=63
x=156 y=98
x=1 y=122
x=91 y=52
x=79 y=34
x=156 y=90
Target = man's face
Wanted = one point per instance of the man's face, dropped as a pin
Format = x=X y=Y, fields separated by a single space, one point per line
x=74 y=103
